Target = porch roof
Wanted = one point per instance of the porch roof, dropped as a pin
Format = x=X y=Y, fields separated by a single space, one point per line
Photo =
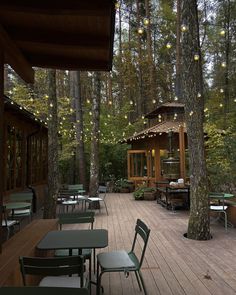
x=169 y=107
x=61 y=34
x=163 y=127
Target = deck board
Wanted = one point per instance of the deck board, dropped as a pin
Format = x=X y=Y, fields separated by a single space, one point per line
x=173 y=265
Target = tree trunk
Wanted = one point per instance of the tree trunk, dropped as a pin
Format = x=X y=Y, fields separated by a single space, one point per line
x=51 y=198
x=80 y=156
x=151 y=91
x=94 y=157
x=178 y=88
x=198 y=227
x=141 y=103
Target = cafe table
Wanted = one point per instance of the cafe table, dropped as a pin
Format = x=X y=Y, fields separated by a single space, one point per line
x=42 y=291
x=74 y=239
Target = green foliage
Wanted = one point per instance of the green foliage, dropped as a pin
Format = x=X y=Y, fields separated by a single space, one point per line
x=139 y=192
x=221 y=148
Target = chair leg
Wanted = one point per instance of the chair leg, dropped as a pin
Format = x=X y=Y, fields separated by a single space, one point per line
x=94 y=261
x=105 y=206
x=138 y=280
x=98 y=280
x=226 y=221
x=142 y=281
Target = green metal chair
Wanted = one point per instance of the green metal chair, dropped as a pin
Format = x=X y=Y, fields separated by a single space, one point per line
x=76 y=218
x=217 y=205
x=123 y=261
x=8 y=223
x=22 y=197
x=57 y=271
x=101 y=195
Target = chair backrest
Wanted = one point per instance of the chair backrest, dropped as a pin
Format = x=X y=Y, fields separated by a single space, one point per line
x=217 y=199
x=75 y=187
x=22 y=197
x=102 y=191
x=76 y=217
x=3 y=213
x=52 y=266
x=142 y=231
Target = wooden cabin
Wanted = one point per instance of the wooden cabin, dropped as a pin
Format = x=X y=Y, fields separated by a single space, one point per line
x=160 y=152
x=25 y=151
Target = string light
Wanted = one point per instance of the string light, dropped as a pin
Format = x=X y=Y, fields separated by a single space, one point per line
x=196 y=57
x=199 y=95
x=191 y=113
x=154 y=101
x=88 y=101
x=221 y=105
x=221 y=90
x=140 y=31
x=176 y=98
x=51 y=105
x=131 y=102
x=222 y=32
x=184 y=28
x=110 y=102
x=223 y=64
x=117 y=5
x=146 y=21
x=126 y=117
x=168 y=45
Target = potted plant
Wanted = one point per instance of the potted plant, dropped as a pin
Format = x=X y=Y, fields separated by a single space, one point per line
x=122 y=186
x=145 y=193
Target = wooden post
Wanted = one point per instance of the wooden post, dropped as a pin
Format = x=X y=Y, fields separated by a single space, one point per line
x=182 y=152
x=1 y=138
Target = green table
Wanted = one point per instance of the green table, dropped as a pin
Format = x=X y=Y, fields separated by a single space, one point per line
x=74 y=239
x=42 y=291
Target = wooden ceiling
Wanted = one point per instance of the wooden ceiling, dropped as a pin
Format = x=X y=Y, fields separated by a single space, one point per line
x=61 y=34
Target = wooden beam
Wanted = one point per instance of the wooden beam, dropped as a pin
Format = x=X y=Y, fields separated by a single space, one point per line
x=15 y=58
x=54 y=37
x=60 y=7
x=69 y=63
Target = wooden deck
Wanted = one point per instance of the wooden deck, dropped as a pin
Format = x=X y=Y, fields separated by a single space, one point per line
x=173 y=264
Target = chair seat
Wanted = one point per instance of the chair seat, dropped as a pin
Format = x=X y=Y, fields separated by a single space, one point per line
x=60 y=281
x=69 y=202
x=22 y=212
x=94 y=199
x=9 y=223
x=117 y=260
x=65 y=252
x=218 y=208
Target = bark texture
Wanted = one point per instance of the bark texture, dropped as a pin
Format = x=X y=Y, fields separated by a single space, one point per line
x=51 y=197
x=198 y=227
x=80 y=156
x=94 y=156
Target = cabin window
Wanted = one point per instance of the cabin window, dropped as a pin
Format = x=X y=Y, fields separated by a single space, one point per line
x=141 y=164
x=14 y=157
x=38 y=159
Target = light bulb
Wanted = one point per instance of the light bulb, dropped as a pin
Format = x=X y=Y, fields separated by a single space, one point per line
x=117 y=5
x=140 y=31
x=199 y=95
x=146 y=21
x=221 y=90
x=196 y=57
x=131 y=102
x=153 y=101
x=221 y=105
x=222 y=32
x=223 y=64
x=184 y=28
x=176 y=98
x=168 y=45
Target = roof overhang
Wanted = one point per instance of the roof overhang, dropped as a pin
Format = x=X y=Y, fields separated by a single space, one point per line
x=62 y=34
